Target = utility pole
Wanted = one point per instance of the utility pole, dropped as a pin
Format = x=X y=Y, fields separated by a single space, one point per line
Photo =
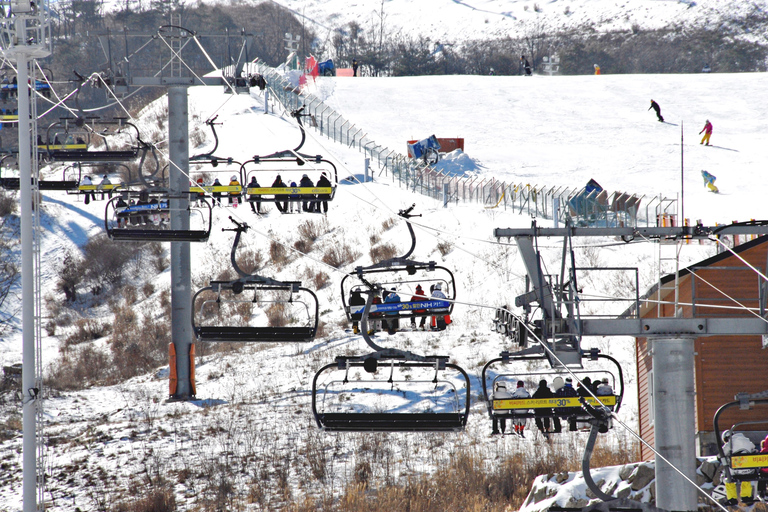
x=671 y=340
x=25 y=37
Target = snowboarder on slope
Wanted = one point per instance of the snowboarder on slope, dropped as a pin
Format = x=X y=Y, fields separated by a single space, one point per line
x=655 y=106
x=707 y=130
x=526 y=65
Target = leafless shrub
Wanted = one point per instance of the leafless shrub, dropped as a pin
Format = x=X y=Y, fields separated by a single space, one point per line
x=137 y=344
x=278 y=253
x=148 y=289
x=86 y=330
x=320 y=280
x=159 y=258
x=250 y=261
x=339 y=255
x=302 y=245
x=374 y=238
x=383 y=252
x=444 y=248
x=156 y=500
x=79 y=369
x=277 y=315
x=388 y=224
x=312 y=230
x=130 y=294
x=536 y=7
x=8 y=203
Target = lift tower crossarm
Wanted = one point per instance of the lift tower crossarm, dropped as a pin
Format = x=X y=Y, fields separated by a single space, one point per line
x=628 y=233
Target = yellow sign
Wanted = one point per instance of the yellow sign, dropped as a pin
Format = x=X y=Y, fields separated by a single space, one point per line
x=217 y=188
x=749 y=461
x=51 y=147
x=100 y=187
x=282 y=191
x=549 y=403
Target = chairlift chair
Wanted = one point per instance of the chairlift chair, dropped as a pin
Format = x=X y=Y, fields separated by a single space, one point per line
x=265 y=169
x=69 y=140
x=391 y=393
x=216 y=307
x=145 y=216
x=743 y=467
x=558 y=407
x=67 y=183
x=231 y=302
x=404 y=274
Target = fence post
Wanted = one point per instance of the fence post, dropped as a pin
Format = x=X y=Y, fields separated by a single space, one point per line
x=367 y=166
x=446 y=193
x=266 y=100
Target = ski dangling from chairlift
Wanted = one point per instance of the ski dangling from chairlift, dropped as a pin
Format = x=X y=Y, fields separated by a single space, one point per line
x=254 y=309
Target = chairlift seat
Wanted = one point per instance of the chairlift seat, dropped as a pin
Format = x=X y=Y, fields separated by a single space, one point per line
x=254 y=334
x=392 y=422
x=15 y=184
x=158 y=235
x=79 y=155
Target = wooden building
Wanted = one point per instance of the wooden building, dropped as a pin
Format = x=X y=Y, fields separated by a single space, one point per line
x=720 y=286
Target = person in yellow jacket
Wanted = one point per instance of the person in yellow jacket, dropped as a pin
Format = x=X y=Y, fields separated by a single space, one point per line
x=234 y=196
x=597 y=69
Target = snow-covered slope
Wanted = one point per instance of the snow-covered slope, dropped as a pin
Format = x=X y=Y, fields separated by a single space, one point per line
x=106 y=438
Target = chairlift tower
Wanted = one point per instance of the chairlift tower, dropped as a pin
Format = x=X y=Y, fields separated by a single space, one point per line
x=672 y=339
x=25 y=36
x=177 y=80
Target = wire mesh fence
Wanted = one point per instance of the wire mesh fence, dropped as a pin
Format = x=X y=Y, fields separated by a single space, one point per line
x=583 y=206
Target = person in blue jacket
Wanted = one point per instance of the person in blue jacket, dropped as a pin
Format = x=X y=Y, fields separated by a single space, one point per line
x=393 y=323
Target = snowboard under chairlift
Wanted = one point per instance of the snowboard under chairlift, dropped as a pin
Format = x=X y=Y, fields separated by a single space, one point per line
x=255 y=292
x=521 y=366
x=350 y=394
x=145 y=216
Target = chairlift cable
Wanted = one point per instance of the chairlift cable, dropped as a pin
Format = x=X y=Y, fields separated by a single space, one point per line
x=616 y=418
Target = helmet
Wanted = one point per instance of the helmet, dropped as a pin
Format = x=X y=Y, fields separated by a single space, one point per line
x=304 y=176
x=233 y=178
x=520 y=384
x=438 y=286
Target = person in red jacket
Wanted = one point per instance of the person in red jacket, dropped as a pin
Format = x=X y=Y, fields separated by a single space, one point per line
x=419 y=296
x=707 y=131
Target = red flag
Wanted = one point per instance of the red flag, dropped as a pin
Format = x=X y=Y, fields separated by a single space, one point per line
x=311 y=66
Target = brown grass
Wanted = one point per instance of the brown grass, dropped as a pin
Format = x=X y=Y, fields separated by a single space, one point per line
x=339 y=255
x=383 y=252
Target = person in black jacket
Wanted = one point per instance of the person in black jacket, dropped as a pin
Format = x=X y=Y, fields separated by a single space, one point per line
x=308 y=200
x=281 y=205
x=543 y=423
x=322 y=199
x=656 y=108
x=568 y=413
x=356 y=299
